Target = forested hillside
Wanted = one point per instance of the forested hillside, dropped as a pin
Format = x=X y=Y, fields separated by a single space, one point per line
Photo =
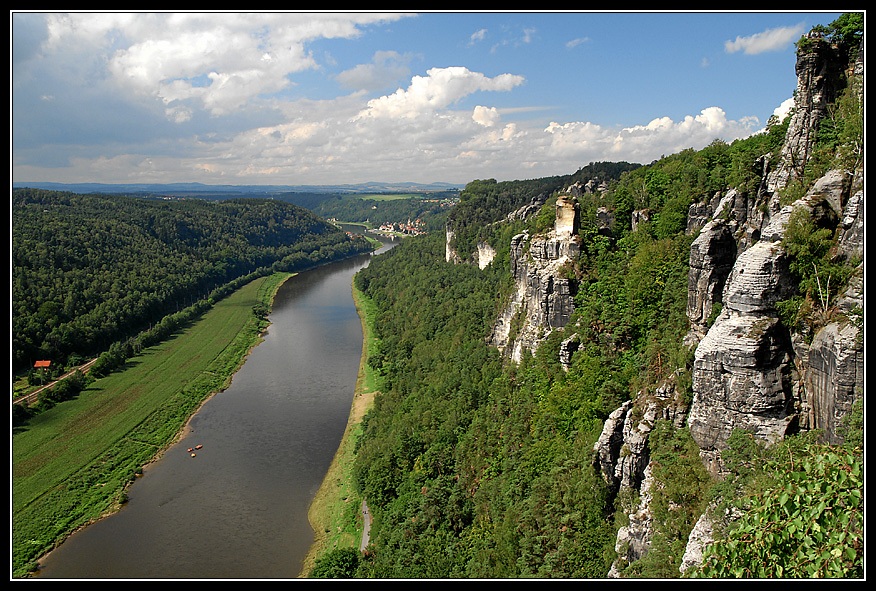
x=474 y=466
x=89 y=270
x=485 y=202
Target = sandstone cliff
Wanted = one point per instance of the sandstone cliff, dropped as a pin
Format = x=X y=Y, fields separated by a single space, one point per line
x=750 y=370
x=542 y=298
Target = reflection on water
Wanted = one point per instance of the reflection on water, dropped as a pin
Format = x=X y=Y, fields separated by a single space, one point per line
x=238 y=509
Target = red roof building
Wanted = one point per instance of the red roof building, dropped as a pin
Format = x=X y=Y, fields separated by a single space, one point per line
x=44 y=364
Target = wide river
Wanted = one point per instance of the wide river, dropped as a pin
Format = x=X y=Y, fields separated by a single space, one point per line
x=238 y=509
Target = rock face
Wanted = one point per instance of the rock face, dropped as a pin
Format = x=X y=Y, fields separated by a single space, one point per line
x=819 y=78
x=623 y=457
x=450 y=255
x=542 y=299
x=748 y=366
x=750 y=371
x=486 y=254
x=712 y=255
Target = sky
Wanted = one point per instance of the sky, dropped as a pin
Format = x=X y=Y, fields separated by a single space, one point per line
x=326 y=98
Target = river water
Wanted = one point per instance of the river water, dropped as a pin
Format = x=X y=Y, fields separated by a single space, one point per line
x=238 y=509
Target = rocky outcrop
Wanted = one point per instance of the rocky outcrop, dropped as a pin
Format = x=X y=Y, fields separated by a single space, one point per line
x=450 y=254
x=703 y=533
x=634 y=539
x=482 y=257
x=623 y=457
x=542 y=299
x=567 y=349
x=712 y=255
x=820 y=76
x=833 y=378
x=639 y=216
x=749 y=371
x=485 y=255
x=851 y=239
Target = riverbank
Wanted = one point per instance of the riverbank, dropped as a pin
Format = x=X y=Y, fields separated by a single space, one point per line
x=335 y=514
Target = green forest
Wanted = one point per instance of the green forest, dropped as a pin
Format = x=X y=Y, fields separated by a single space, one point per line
x=474 y=467
x=92 y=270
x=364 y=208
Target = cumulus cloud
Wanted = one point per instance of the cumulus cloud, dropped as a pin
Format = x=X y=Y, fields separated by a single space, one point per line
x=486 y=116
x=782 y=110
x=440 y=88
x=769 y=40
x=167 y=97
x=645 y=143
x=217 y=61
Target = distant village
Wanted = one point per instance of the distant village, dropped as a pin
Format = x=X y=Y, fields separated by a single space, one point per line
x=411 y=228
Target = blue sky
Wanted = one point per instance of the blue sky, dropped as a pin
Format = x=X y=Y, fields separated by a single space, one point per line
x=327 y=97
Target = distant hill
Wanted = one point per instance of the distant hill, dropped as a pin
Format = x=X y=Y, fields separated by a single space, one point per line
x=182 y=189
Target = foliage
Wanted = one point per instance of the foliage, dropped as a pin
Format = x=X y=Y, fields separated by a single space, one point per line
x=846 y=32
x=478 y=468
x=485 y=202
x=431 y=209
x=806 y=522
x=851 y=428
x=339 y=563
x=92 y=270
x=821 y=277
x=504 y=451
x=678 y=498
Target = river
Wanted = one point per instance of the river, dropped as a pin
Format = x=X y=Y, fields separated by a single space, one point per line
x=238 y=510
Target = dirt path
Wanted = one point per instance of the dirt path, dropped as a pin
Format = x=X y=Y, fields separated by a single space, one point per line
x=366 y=530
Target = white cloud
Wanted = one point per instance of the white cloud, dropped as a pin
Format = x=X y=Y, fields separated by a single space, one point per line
x=576 y=42
x=440 y=88
x=782 y=110
x=769 y=40
x=486 y=116
x=478 y=35
x=244 y=56
x=159 y=81
x=644 y=143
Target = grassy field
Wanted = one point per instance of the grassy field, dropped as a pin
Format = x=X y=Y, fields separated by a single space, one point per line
x=334 y=513
x=72 y=464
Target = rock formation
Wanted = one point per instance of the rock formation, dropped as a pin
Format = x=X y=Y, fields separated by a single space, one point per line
x=750 y=370
x=542 y=299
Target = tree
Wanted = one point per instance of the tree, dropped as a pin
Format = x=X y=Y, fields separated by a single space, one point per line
x=340 y=563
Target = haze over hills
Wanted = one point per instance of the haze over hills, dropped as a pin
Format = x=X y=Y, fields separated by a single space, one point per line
x=194 y=188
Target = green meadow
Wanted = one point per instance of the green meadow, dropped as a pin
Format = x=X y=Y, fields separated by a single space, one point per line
x=72 y=464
